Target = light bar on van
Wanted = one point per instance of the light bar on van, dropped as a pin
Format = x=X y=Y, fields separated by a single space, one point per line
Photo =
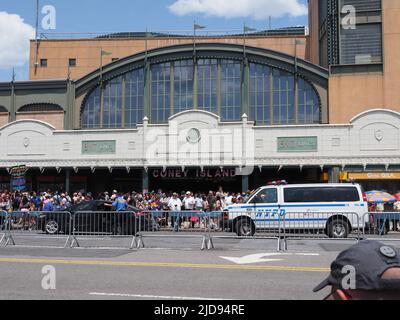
x=277 y=183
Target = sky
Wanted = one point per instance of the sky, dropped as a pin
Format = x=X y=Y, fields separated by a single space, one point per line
x=17 y=20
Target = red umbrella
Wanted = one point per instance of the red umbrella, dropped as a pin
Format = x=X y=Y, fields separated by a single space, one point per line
x=397 y=196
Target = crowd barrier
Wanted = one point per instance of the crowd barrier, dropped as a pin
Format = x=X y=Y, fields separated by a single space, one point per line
x=36 y=225
x=377 y=225
x=107 y=224
x=172 y=224
x=278 y=226
x=249 y=225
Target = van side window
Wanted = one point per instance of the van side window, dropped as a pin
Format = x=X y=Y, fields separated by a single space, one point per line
x=266 y=196
x=324 y=194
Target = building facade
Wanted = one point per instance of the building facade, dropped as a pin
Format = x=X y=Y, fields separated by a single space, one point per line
x=149 y=111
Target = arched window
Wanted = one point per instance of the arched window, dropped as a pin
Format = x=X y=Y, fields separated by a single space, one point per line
x=273 y=96
x=3 y=109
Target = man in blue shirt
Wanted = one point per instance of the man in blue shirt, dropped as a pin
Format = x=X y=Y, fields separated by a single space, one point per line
x=49 y=206
x=120 y=204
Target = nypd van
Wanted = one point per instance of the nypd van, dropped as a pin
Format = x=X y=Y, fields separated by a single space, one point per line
x=336 y=209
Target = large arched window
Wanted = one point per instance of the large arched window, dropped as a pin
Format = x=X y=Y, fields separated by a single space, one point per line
x=273 y=96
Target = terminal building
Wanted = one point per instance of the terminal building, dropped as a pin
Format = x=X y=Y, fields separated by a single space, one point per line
x=147 y=111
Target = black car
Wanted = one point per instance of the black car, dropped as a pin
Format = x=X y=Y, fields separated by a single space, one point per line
x=96 y=217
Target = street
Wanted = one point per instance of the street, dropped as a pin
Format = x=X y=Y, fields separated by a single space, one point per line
x=236 y=269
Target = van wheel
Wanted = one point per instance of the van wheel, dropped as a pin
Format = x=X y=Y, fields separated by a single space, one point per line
x=338 y=228
x=245 y=228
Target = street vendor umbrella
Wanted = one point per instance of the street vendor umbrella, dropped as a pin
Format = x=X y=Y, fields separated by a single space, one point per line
x=380 y=197
x=397 y=196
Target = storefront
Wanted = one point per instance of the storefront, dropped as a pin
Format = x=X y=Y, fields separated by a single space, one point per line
x=385 y=181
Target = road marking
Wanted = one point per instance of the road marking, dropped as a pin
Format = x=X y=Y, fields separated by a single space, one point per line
x=260 y=257
x=146 y=296
x=161 y=265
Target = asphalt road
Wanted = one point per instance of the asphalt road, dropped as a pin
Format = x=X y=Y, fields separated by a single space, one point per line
x=184 y=272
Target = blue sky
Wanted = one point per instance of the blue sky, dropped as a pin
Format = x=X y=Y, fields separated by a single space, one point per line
x=156 y=15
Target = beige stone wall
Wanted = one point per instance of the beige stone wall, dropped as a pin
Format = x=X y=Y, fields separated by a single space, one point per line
x=350 y=95
x=55 y=118
x=3 y=119
x=87 y=52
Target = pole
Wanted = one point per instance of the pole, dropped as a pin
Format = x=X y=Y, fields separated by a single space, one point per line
x=295 y=56
x=194 y=40
x=146 y=46
x=101 y=66
x=36 y=63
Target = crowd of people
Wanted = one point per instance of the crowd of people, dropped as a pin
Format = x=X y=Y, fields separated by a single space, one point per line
x=157 y=200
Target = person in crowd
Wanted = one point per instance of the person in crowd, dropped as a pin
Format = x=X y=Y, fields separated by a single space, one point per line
x=175 y=205
x=120 y=203
x=368 y=270
x=48 y=204
x=189 y=202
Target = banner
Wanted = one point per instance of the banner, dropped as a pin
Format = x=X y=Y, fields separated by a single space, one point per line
x=18 y=181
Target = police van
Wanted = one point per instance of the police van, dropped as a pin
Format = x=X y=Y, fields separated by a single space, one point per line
x=336 y=209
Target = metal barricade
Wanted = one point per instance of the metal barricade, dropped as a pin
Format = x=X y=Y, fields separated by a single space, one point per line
x=26 y=226
x=172 y=224
x=250 y=224
x=382 y=226
x=322 y=226
x=5 y=229
x=102 y=225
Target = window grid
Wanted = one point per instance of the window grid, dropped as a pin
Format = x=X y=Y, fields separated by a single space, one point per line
x=112 y=104
x=260 y=94
x=308 y=104
x=183 y=85
x=283 y=98
x=92 y=110
x=207 y=99
x=134 y=91
x=230 y=90
x=271 y=95
x=160 y=93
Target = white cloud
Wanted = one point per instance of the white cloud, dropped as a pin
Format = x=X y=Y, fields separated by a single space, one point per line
x=14 y=40
x=257 y=9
